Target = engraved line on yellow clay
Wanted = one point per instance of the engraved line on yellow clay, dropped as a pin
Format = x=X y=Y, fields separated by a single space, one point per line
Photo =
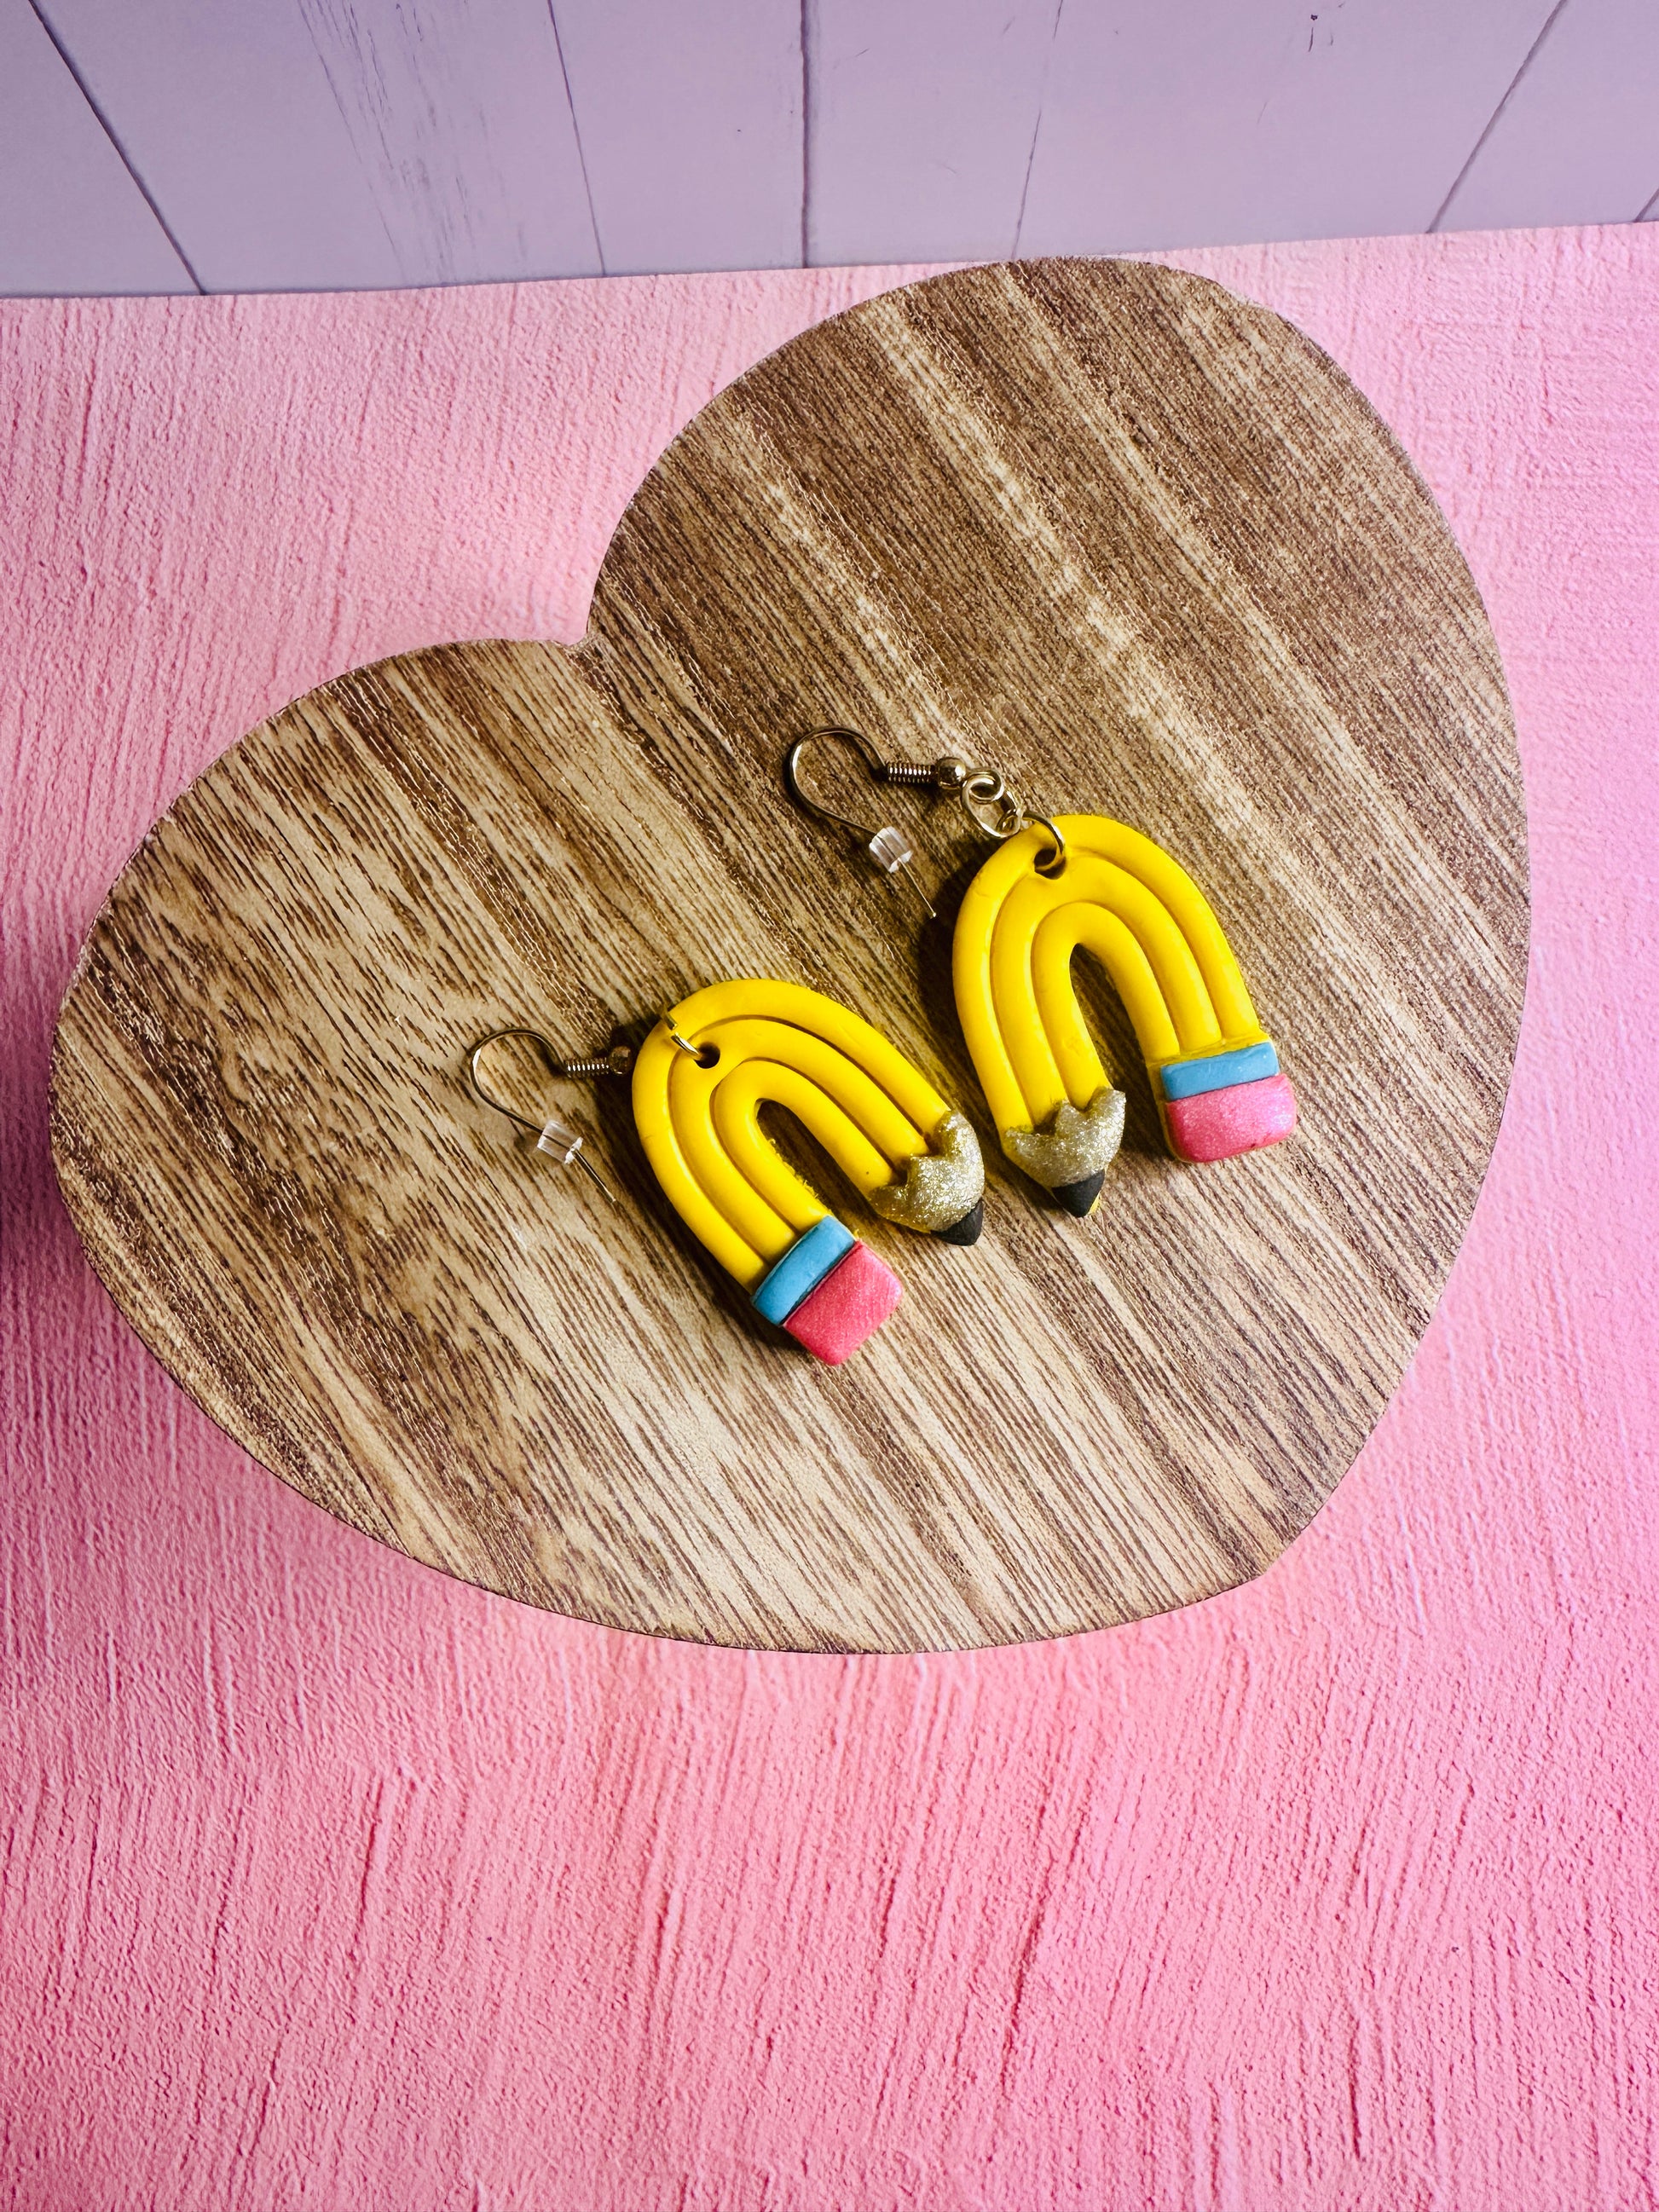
x=809 y=1010
x=1192 y=914
x=1059 y=935
x=1178 y=1002
x=738 y=1042
x=657 y=1135
x=738 y=1203
x=869 y=1160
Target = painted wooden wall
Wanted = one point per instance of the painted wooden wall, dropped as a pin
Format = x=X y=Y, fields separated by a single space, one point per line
x=326 y=1882
x=257 y=145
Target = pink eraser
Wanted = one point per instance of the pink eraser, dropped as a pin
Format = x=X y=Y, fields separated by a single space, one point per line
x=850 y=1303
x=1217 y=1124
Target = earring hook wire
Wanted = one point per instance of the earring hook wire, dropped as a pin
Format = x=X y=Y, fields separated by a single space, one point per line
x=704 y=1054
x=881 y=771
x=996 y=812
x=833 y=734
x=561 y=1067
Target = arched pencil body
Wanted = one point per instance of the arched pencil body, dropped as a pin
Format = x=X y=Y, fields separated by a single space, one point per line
x=1214 y=1071
x=700 y=1081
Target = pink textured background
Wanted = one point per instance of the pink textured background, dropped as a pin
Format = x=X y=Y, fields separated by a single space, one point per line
x=324 y=1882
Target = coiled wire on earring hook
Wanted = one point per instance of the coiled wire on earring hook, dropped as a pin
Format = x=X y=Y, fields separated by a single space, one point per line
x=994 y=810
x=552 y=1136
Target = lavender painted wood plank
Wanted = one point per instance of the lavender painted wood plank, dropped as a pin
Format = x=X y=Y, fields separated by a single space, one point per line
x=313 y=145
x=920 y=133
x=346 y=144
x=71 y=218
x=1277 y=118
x=227 y=116
x=1577 y=138
x=460 y=116
x=691 y=121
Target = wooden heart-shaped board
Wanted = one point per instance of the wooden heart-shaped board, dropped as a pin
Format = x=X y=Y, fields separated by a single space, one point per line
x=1135 y=542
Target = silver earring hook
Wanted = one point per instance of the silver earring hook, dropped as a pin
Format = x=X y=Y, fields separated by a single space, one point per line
x=552 y=1136
x=994 y=810
x=886 y=844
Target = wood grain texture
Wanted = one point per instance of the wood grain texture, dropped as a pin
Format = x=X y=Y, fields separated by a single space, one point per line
x=1140 y=543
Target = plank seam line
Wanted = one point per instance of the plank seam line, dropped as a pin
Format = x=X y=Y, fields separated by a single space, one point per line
x=110 y=133
x=1497 y=116
x=805 y=134
x=576 y=133
x=1036 y=128
x=342 y=108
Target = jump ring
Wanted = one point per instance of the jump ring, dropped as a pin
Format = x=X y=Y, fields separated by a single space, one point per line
x=704 y=1054
x=1052 y=863
x=991 y=806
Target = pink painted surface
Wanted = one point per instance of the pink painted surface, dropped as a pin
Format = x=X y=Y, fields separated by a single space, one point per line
x=326 y=1882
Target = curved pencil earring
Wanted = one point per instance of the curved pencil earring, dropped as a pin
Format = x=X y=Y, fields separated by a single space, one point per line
x=552 y=1136
x=699 y=1080
x=1059 y=885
